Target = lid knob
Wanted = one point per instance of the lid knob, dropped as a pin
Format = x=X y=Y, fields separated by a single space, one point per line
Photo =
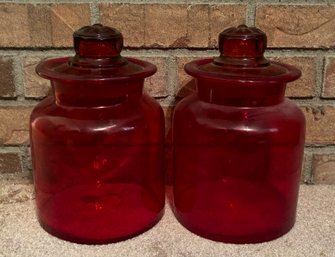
x=97 y=46
x=242 y=46
x=98 y=41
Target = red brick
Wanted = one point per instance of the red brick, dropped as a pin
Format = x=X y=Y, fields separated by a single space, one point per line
x=14 y=25
x=224 y=16
x=34 y=85
x=329 y=79
x=40 y=27
x=305 y=26
x=324 y=169
x=305 y=85
x=127 y=18
x=156 y=85
x=171 y=25
x=320 y=124
x=10 y=163
x=166 y=25
x=198 y=25
x=186 y=84
x=43 y=25
x=7 y=86
x=14 y=126
x=65 y=19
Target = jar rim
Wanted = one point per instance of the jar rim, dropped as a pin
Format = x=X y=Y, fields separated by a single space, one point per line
x=60 y=70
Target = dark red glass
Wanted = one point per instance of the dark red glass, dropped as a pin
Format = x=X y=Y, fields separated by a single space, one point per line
x=238 y=144
x=97 y=143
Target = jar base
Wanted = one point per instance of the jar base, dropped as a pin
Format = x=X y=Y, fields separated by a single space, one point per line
x=74 y=239
x=250 y=239
x=234 y=211
x=110 y=213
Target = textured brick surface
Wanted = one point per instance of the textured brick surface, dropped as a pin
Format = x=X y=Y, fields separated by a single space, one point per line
x=127 y=18
x=320 y=124
x=224 y=16
x=171 y=25
x=14 y=126
x=185 y=84
x=7 y=86
x=172 y=19
x=329 y=79
x=306 y=26
x=305 y=85
x=10 y=163
x=34 y=85
x=25 y=25
x=156 y=85
x=198 y=25
x=324 y=169
x=14 y=25
x=65 y=19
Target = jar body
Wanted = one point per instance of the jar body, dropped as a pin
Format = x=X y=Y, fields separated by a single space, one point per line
x=237 y=169
x=98 y=170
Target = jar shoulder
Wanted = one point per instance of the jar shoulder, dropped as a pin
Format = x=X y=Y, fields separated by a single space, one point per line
x=194 y=120
x=134 y=117
x=146 y=104
x=192 y=108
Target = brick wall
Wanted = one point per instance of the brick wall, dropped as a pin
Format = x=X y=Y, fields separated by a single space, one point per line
x=169 y=35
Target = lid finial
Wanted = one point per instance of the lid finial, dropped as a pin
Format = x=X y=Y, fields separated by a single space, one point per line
x=98 y=46
x=243 y=46
x=98 y=41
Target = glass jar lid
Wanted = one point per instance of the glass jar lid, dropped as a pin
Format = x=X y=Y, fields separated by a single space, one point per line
x=241 y=60
x=97 y=58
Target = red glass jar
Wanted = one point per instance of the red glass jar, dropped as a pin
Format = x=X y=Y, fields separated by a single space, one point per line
x=238 y=144
x=97 y=143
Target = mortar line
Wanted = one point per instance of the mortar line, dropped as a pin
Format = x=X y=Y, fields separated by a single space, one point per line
x=251 y=14
x=167 y=51
x=10 y=149
x=26 y=159
x=18 y=78
x=23 y=103
x=172 y=70
x=318 y=148
x=320 y=64
x=308 y=167
x=263 y=2
x=95 y=13
x=325 y=64
x=313 y=101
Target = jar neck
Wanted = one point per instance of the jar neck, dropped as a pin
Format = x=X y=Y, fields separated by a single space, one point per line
x=96 y=94
x=239 y=95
